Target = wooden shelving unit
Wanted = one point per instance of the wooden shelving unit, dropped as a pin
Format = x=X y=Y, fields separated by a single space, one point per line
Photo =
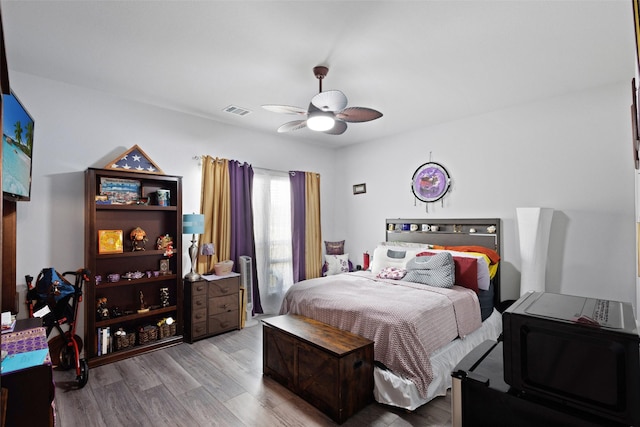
x=124 y=295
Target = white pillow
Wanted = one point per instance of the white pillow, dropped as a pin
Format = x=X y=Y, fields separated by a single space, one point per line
x=392 y=256
x=337 y=264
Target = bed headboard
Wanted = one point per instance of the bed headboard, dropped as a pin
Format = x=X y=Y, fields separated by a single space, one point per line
x=451 y=232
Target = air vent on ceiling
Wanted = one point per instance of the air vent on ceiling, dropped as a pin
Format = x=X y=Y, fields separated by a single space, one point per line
x=237 y=110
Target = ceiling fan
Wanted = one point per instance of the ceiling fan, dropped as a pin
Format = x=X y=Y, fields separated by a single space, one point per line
x=327 y=111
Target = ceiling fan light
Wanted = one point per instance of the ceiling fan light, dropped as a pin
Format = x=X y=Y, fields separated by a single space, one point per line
x=320 y=121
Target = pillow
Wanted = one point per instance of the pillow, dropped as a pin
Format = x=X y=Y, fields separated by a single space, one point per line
x=466 y=269
x=436 y=270
x=337 y=264
x=391 y=256
x=392 y=273
x=334 y=248
x=484 y=265
x=325 y=267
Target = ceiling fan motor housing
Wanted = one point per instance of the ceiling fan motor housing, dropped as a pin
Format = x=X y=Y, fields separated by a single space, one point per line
x=320 y=72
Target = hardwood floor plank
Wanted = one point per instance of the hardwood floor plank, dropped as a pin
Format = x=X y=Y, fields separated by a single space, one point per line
x=173 y=376
x=119 y=406
x=206 y=410
x=161 y=408
x=372 y=415
x=252 y=412
x=297 y=412
x=215 y=381
x=138 y=373
x=107 y=374
x=75 y=407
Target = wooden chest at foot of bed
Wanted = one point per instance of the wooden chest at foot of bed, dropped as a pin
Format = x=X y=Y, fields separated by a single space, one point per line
x=330 y=368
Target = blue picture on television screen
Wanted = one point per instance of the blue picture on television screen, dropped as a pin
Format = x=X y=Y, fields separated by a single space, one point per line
x=17 y=149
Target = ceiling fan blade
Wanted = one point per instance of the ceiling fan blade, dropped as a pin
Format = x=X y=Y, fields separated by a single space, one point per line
x=294 y=125
x=331 y=100
x=338 y=128
x=286 y=109
x=358 y=114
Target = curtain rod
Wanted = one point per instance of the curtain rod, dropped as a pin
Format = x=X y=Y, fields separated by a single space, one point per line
x=200 y=157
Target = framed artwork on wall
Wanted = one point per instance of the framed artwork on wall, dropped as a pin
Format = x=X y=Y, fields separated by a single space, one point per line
x=359 y=188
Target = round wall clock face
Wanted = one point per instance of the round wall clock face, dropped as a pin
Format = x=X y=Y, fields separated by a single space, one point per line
x=430 y=182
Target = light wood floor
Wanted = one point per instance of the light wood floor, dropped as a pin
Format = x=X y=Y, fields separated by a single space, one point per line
x=214 y=382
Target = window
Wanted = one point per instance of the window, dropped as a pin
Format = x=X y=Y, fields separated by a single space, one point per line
x=272 y=230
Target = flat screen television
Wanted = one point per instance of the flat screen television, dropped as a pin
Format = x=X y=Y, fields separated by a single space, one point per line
x=581 y=353
x=17 y=149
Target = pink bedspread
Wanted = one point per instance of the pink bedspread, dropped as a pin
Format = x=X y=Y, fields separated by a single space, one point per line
x=407 y=321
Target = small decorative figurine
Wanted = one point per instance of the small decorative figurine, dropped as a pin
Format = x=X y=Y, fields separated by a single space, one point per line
x=138 y=239
x=491 y=229
x=143 y=305
x=102 y=311
x=164 y=297
x=165 y=243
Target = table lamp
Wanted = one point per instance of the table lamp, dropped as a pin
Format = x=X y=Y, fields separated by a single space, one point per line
x=193 y=224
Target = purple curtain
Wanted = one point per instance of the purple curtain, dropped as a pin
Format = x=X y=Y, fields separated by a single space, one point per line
x=242 y=241
x=298 y=194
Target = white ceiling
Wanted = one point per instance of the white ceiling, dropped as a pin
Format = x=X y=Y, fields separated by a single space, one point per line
x=418 y=62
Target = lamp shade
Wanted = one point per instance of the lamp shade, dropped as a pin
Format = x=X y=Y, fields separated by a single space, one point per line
x=534 y=229
x=193 y=224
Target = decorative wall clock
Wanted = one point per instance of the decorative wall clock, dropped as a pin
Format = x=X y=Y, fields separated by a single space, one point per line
x=430 y=182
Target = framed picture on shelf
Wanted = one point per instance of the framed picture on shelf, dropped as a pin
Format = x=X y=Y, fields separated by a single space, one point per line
x=110 y=241
x=164 y=267
x=120 y=191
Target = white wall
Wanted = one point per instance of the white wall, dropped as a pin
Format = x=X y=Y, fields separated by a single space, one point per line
x=77 y=128
x=571 y=153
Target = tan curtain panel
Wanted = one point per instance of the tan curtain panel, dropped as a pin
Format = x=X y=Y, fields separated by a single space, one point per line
x=313 y=241
x=215 y=204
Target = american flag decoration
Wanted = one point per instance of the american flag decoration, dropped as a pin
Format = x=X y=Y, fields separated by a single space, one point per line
x=134 y=160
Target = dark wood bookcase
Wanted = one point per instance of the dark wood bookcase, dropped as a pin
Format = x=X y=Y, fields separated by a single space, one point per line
x=124 y=295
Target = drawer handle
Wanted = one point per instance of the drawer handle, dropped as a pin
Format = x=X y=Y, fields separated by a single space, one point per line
x=199 y=316
x=224 y=324
x=199 y=288
x=224 y=290
x=199 y=302
x=357 y=364
x=224 y=306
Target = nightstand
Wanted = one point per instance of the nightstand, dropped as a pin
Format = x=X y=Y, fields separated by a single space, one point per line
x=211 y=307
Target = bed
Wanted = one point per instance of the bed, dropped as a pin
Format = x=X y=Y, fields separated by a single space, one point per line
x=421 y=331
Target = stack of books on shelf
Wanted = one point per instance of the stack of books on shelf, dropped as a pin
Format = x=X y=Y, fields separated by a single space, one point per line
x=105 y=344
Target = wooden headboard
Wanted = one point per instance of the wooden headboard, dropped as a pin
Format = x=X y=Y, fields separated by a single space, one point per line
x=451 y=232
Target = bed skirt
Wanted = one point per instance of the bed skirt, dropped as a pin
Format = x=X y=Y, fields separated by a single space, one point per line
x=393 y=390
